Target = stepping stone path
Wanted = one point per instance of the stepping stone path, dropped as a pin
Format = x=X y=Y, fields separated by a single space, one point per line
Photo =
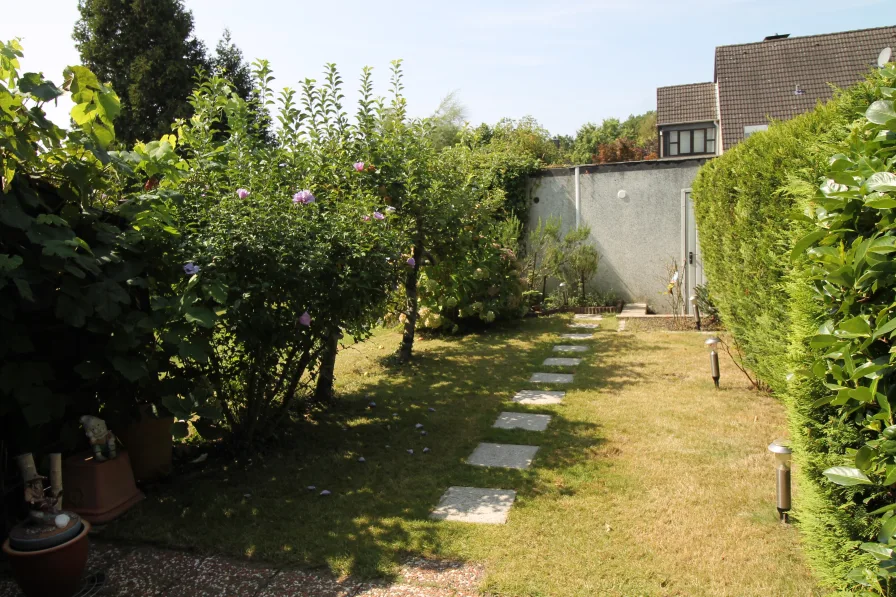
x=492 y=506
x=588 y=316
x=621 y=325
x=570 y=348
x=526 y=421
x=503 y=456
x=471 y=504
x=539 y=397
x=562 y=362
x=551 y=378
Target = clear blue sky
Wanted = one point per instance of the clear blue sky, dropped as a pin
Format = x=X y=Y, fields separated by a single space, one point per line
x=566 y=64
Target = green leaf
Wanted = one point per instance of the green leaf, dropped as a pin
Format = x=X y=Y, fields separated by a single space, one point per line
x=846 y=476
x=863 y=457
x=885 y=328
x=887 y=530
x=857 y=327
x=890 y=479
x=880 y=112
x=34 y=84
x=807 y=241
x=881 y=181
x=201 y=315
x=889 y=508
x=190 y=350
x=132 y=369
x=9 y=263
x=878 y=550
x=180 y=430
x=24 y=289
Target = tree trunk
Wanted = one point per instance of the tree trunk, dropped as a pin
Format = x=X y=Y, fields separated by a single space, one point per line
x=410 y=291
x=326 y=375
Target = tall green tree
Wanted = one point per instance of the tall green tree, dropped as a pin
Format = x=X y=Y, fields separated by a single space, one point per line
x=229 y=63
x=147 y=51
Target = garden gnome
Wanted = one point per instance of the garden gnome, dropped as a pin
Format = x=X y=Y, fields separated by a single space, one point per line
x=100 y=437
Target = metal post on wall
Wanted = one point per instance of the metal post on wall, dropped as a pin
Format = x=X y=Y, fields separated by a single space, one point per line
x=578 y=200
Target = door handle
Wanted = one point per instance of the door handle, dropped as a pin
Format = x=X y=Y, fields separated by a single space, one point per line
x=691 y=257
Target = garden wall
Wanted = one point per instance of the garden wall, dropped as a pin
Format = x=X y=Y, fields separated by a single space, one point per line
x=637 y=234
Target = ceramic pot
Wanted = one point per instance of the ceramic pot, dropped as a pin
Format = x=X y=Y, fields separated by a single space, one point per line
x=52 y=572
x=149 y=445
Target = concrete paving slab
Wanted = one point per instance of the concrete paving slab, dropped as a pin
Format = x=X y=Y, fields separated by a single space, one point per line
x=539 y=397
x=473 y=504
x=585 y=326
x=577 y=336
x=570 y=348
x=551 y=378
x=587 y=316
x=527 y=421
x=503 y=455
x=562 y=362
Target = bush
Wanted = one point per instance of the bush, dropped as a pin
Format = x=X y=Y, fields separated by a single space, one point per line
x=745 y=202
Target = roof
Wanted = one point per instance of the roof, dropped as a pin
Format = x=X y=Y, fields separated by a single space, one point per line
x=781 y=78
x=686 y=103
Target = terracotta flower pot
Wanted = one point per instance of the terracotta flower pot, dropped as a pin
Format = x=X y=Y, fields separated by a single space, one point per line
x=148 y=443
x=53 y=572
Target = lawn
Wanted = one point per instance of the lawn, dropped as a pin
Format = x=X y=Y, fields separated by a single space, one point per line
x=648 y=481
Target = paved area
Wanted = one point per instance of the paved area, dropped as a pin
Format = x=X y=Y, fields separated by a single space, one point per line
x=472 y=504
x=570 y=348
x=503 y=456
x=585 y=326
x=577 y=336
x=539 y=397
x=551 y=378
x=562 y=362
x=526 y=421
x=130 y=571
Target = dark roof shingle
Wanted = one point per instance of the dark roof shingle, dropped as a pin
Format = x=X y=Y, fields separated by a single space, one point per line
x=686 y=103
x=779 y=79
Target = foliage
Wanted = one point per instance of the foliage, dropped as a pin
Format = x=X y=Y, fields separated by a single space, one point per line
x=561 y=297
x=707 y=307
x=75 y=323
x=577 y=260
x=448 y=121
x=744 y=202
x=148 y=54
x=541 y=251
x=674 y=281
x=228 y=63
x=850 y=264
x=615 y=141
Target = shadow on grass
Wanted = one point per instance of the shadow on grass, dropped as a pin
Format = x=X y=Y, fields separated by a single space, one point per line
x=377 y=511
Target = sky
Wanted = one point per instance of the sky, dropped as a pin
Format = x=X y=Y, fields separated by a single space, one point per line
x=565 y=63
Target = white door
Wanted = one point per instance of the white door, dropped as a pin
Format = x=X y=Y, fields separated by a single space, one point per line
x=693 y=261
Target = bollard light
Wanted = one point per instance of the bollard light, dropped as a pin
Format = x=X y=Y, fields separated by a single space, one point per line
x=713 y=344
x=693 y=301
x=782 y=454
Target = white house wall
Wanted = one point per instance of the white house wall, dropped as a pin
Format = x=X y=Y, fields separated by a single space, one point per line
x=636 y=235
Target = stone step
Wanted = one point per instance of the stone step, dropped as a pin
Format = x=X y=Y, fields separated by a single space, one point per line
x=584 y=326
x=633 y=310
x=562 y=362
x=587 y=316
x=474 y=504
x=577 y=336
x=539 y=397
x=503 y=456
x=527 y=421
x=551 y=378
x=570 y=348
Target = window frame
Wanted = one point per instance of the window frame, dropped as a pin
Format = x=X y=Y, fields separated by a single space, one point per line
x=673 y=148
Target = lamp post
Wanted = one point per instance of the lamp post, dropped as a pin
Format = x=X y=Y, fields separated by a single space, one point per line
x=712 y=343
x=693 y=301
x=782 y=454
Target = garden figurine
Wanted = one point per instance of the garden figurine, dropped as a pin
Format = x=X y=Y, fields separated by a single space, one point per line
x=101 y=439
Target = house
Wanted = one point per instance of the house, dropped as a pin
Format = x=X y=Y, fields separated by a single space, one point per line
x=640 y=213
x=756 y=83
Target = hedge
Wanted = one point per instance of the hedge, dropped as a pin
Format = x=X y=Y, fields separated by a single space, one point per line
x=747 y=205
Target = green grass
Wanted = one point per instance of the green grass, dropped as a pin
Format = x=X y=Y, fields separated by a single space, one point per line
x=648 y=481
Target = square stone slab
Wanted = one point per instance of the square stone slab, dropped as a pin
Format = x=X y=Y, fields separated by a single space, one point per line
x=562 y=362
x=472 y=504
x=577 y=336
x=570 y=348
x=585 y=326
x=525 y=421
x=539 y=397
x=503 y=455
x=588 y=316
x=551 y=378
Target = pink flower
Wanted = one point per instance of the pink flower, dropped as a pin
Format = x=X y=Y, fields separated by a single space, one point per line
x=411 y=261
x=242 y=193
x=359 y=166
x=378 y=215
x=365 y=217
x=305 y=319
x=304 y=197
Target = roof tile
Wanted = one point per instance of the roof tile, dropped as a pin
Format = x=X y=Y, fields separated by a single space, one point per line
x=686 y=103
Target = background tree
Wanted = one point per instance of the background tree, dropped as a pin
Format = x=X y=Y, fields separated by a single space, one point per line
x=448 y=121
x=229 y=63
x=149 y=55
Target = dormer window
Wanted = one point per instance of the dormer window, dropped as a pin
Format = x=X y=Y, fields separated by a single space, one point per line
x=694 y=141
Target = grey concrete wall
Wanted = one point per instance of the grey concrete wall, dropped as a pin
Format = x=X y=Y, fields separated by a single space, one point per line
x=636 y=235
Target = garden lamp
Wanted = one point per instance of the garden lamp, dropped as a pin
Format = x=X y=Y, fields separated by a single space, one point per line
x=693 y=301
x=782 y=454
x=713 y=343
